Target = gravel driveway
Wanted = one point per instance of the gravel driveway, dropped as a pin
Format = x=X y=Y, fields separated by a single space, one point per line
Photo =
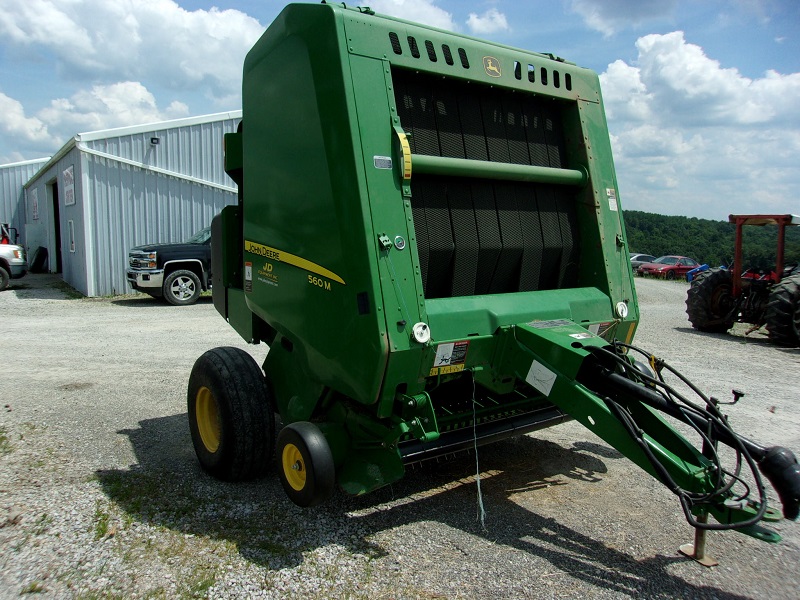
x=101 y=495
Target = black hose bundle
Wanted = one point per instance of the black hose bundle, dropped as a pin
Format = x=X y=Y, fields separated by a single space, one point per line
x=779 y=465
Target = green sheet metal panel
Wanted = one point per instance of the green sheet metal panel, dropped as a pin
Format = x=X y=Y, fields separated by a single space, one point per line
x=329 y=233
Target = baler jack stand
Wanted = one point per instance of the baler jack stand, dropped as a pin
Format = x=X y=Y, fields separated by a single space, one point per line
x=697 y=551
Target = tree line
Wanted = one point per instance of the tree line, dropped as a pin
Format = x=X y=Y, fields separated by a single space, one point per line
x=707 y=241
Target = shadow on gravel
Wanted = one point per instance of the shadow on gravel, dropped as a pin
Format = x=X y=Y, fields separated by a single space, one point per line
x=43 y=286
x=145 y=301
x=753 y=339
x=167 y=488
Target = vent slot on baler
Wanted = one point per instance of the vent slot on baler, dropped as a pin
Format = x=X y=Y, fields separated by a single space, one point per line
x=487 y=236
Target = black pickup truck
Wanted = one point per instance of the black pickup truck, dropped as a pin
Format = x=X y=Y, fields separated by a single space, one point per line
x=176 y=272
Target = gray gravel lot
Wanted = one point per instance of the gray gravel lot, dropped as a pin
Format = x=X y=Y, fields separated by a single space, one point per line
x=101 y=495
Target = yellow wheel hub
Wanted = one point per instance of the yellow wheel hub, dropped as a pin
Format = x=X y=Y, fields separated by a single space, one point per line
x=207 y=415
x=294 y=468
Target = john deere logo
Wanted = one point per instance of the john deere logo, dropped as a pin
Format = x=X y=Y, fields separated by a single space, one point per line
x=492 y=66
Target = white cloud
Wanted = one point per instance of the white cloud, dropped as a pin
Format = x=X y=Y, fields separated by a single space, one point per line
x=420 y=11
x=626 y=97
x=25 y=130
x=101 y=107
x=106 y=106
x=693 y=137
x=121 y=39
x=685 y=81
x=491 y=21
x=610 y=16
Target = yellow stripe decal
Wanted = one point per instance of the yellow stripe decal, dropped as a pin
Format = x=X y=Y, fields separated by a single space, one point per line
x=631 y=329
x=446 y=370
x=290 y=259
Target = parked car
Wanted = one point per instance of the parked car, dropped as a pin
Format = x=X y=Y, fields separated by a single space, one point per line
x=12 y=257
x=637 y=260
x=176 y=272
x=668 y=267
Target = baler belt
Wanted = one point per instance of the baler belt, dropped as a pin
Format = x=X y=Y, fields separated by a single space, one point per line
x=478 y=236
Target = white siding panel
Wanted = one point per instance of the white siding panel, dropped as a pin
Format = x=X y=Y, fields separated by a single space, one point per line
x=12 y=196
x=132 y=192
x=193 y=150
x=73 y=263
x=135 y=206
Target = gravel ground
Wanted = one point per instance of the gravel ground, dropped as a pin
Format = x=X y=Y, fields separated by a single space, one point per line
x=101 y=496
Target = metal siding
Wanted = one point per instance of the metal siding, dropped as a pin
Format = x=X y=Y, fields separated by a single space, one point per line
x=73 y=264
x=192 y=150
x=133 y=207
x=12 y=195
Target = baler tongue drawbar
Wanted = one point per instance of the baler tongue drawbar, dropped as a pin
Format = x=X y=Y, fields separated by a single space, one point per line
x=625 y=404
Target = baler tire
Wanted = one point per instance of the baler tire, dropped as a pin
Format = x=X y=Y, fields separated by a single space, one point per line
x=305 y=462
x=782 y=316
x=231 y=415
x=182 y=288
x=4 y=279
x=709 y=300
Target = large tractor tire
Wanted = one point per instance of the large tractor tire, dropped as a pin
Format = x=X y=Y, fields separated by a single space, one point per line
x=782 y=316
x=231 y=415
x=709 y=301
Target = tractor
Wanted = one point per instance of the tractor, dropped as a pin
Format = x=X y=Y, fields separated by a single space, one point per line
x=720 y=297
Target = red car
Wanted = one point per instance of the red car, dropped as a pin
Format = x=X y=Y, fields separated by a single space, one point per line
x=668 y=267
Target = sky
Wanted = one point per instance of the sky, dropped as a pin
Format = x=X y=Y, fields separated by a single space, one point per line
x=702 y=96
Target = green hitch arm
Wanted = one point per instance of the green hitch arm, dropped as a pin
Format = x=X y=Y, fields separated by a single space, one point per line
x=779 y=465
x=602 y=389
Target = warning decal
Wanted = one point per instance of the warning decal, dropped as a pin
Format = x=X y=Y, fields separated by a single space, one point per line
x=453 y=353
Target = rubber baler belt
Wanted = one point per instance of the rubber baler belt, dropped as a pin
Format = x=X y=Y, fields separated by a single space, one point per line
x=484 y=236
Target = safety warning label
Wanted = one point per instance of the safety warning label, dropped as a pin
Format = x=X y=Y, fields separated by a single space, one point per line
x=453 y=353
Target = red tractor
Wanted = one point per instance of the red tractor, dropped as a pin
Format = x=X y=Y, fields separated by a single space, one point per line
x=718 y=298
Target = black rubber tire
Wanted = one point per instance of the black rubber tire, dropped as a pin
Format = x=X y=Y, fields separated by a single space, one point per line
x=39 y=259
x=782 y=316
x=182 y=288
x=709 y=300
x=305 y=464
x=670 y=275
x=231 y=415
x=4 y=279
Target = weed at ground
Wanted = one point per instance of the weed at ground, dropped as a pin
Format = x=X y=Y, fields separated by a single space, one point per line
x=5 y=443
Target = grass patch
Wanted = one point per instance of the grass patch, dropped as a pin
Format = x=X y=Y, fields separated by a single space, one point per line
x=5 y=443
x=42 y=524
x=34 y=587
x=69 y=291
x=101 y=521
x=200 y=582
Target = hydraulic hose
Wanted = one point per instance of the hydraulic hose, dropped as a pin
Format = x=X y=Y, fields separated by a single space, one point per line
x=779 y=465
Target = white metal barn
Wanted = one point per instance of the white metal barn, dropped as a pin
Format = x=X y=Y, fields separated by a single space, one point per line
x=107 y=191
x=13 y=177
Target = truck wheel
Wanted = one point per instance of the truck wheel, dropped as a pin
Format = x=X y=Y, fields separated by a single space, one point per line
x=307 y=472
x=4 y=277
x=182 y=288
x=710 y=301
x=231 y=415
x=783 y=312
